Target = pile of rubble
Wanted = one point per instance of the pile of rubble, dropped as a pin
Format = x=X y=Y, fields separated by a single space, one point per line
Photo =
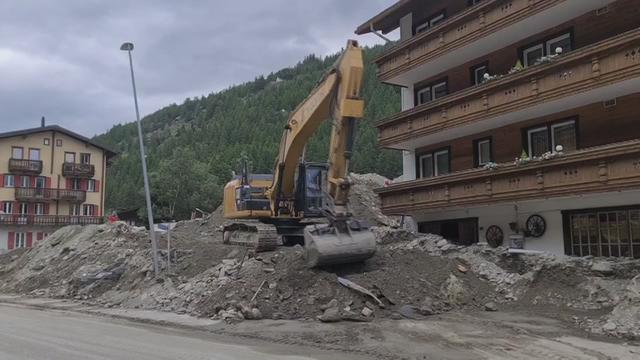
x=409 y=277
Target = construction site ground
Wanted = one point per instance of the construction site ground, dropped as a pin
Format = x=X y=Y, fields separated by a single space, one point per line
x=419 y=297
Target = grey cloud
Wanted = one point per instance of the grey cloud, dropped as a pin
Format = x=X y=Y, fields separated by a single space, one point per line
x=61 y=59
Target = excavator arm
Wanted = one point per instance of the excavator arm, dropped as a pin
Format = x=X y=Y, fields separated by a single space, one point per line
x=337 y=97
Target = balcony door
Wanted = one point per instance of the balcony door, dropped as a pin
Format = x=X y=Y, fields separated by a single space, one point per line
x=69 y=157
x=34 y=154
x=17 y=152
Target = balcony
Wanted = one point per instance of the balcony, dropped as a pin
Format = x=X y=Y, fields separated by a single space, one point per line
x=22 y=166
x=49 y=220
x=43 y=194
x=78 y=170
x=473 y=33
x=612 y=167
x=599 y=72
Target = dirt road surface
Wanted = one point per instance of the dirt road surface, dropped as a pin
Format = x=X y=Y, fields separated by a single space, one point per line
x=53 y=335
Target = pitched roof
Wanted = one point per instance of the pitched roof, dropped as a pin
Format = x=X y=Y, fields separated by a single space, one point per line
x=388 y=20
x=110 y=152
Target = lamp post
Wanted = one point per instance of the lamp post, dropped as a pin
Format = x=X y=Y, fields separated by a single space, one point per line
x=128 y=47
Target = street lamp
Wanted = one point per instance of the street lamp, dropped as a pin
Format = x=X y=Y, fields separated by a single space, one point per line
x=128 y=47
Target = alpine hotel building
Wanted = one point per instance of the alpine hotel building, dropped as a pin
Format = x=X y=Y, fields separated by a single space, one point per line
x=49 y=177
x=520 y=121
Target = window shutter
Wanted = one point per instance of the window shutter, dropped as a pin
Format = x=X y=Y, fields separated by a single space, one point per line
x=15 y=208
x=98 y=186
x=1 y=180
x=33 y=181
x=69 y=184
x=47 y=182
x=95 y=210
x=39 y=236
x=12 y=240
x=46 y=208
x=31 y=209
x=29 y=239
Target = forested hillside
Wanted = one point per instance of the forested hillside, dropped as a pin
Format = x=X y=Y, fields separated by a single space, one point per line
x=193 y=148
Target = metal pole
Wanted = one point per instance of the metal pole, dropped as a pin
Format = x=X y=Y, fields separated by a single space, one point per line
x=168 y=248
x=143 y=158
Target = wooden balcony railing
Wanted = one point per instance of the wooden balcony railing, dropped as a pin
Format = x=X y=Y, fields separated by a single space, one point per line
x=460 y=30
x=78 y=170
x=611 y=61
x=44 y=194
x=612 y=167
x=24 y=166
x=49 y=220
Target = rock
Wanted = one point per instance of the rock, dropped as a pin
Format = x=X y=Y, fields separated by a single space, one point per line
x=37 y=267
x=366 y=312
x=269 y=270
x=602 y=267
x=331 y=304
x=490 y=306
x=463 y=269
x=609 y=326
x=453 y=290
x=442 y=243
x=410 y=312
x=330 y=315
x=396 y=316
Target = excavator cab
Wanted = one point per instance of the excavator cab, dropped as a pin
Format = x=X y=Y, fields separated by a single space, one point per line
x=310 y=189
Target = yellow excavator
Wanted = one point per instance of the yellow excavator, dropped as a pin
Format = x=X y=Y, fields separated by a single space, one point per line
x=307 y=203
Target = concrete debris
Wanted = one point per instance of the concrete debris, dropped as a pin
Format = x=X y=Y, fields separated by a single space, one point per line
x=490 y=306
x=411 y=276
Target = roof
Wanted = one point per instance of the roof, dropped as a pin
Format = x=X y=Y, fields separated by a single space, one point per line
x=110 y=152
x=388 y=20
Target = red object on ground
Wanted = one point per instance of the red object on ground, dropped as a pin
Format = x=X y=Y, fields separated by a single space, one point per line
x=113 y=218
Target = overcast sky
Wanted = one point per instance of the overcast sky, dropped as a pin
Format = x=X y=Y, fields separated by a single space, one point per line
x=61 y=59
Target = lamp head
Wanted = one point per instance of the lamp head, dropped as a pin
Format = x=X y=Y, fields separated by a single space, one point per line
x=126 y=46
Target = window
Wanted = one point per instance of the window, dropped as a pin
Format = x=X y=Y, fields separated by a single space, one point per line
x=91 y=185
x=9 y=181
x=483 y=151
x=24 y=208
x=88 y=210
x=74 y=210
x=69 y=157
x=7 y=207
x=25 y=181
x=477 y=73
x=17 y=152
x=39 y=209
x=426 y=166
x=431 y=92
x=20 y=241
x=538 y=141
x=85 y=158
x=434 y=164
x=546 y=138
x=59 y=142
x=34 y=154
x=533 y=53
x=429 y=22
x=563 y=42
x=75 y=184
x=564 y=134
x=40 y=182
x=46 y=142
x=603 y=232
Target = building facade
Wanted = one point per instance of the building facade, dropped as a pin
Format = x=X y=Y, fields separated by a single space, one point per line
x=520 y=121
x=49 y=177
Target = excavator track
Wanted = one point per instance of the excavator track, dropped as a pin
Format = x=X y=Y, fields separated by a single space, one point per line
x=249 y=233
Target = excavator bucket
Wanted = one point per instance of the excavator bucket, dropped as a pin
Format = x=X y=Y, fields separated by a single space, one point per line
x=341 y=243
